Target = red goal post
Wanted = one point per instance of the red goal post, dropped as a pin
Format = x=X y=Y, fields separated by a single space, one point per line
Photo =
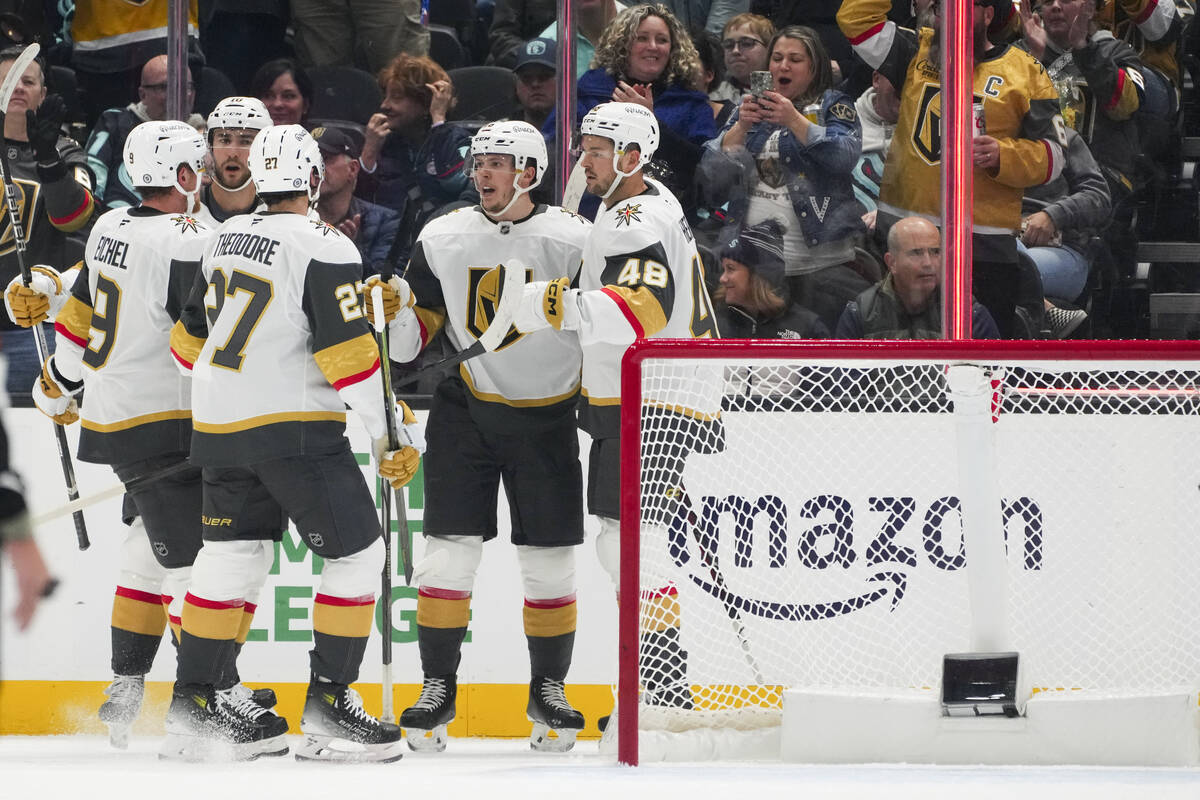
x=798 y=514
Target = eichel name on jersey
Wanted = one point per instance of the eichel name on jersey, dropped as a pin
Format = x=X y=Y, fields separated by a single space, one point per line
x=277 y=341
x=1021 y=109
x=139 y=265
x=642 y=257
x=531 y=380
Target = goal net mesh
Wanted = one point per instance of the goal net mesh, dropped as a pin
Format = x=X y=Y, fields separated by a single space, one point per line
x=801 y=523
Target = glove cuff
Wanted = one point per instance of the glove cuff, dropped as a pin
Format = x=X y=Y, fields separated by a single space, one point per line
x=71 y=387
x=51 y=171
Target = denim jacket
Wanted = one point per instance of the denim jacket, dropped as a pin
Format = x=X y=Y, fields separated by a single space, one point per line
x=819 y=183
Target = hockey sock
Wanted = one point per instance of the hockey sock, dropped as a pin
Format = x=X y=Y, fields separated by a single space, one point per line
x=138 y=622
x=209 y=630
x=663 y=658
x=341 y=626
x=550 y=631
x=229 y=674
x=442 y=617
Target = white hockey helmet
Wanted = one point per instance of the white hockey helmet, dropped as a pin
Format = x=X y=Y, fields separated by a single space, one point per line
x=154 y=150
x=520 y=140
x=239 y=112
x=625 y=124
x=282 y=158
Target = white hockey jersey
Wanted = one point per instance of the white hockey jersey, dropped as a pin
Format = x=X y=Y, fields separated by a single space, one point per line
x=453 y=274
x=278 y=343
x=641 y=278
x=114 y=333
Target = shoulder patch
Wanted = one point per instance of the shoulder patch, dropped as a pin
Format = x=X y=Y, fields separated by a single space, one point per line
x=843 y=111
x=629 y=214
x=185 y=222
x=323 y=227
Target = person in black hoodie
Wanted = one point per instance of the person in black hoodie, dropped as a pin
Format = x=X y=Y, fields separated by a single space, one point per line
x=753 y=300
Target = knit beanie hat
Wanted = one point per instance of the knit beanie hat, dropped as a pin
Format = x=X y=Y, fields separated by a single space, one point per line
x=760 y=248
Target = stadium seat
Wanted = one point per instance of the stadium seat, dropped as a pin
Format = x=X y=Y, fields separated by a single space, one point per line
x=213 y=87
x=344 y=93
x=444 y=47
x=484 y=94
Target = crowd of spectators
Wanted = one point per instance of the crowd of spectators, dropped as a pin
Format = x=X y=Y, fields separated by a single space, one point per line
x=837 y=146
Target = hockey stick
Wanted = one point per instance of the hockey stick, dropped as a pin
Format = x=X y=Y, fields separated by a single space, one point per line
x=573 y=191
x=511 y=281
x=14 y=215
x=112 y=491
x=387 y=713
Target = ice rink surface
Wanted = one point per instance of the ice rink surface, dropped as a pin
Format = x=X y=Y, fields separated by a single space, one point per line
x=50 y=767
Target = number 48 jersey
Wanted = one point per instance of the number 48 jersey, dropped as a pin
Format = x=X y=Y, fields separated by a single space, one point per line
x=642 y=258
x=277 y=342
x=138 y=266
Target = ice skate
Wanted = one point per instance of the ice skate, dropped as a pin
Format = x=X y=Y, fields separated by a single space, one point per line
x=425 y=721
x=260 y=697
x=122 y=706
x=207 y=725
x=336 y=728
x=555 y=723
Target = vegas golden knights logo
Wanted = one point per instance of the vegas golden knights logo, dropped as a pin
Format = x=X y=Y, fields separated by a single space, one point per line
x=27 y=200
x=927 y=133
x=483 y=292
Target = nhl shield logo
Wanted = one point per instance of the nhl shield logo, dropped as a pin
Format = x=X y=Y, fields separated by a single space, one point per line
x=160 y=548
x=315 y=539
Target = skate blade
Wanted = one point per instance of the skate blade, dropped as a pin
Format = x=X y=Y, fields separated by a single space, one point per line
x=420 y=741
x=193 y=749
x=326 y=748
x=118 y=735
x=545 y=739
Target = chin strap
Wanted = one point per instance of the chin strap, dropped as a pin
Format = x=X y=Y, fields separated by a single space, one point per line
x=620 y=175
x=245 y=183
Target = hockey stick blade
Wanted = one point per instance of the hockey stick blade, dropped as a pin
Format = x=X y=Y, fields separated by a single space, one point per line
x=573 y=191
x=112 y=491
x=15 y=72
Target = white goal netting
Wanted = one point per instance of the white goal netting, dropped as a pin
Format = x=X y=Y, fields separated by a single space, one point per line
x=802 y=517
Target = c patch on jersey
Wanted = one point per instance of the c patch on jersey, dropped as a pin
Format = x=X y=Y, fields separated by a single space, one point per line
x=483 y=293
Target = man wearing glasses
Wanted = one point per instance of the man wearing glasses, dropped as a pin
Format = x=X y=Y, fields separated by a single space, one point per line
x=113 y=186
x=744 y=41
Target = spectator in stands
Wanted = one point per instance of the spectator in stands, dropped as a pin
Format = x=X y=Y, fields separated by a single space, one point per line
x=286 y=89
x=330 y=33
x=592 y=18
x=107 y=140
x=1154 y=28
x=752 y=301
x=646 y=58
x=907 y=303
x=712 y=62
x=744 y=41
x=371 y=227
x=112 y=40
x=1023 y=145
x=878 y=111
x=788 y=155
x=536 y=71
x=55 y=199
x=819 y=15
x=515 y=22
x=1059 y=220
x=1100 y=81
x=412 y=158
x=704 y=15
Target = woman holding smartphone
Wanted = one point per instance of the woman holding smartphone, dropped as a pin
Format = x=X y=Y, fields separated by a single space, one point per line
x=788 y=154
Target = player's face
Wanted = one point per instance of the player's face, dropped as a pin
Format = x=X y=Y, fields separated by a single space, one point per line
x=735 y=279
x=791 y=67
x=493 y=176
x=744 y=53
x=29 y=92
x=284 y=102
x=916 y=267
x=597 y=162
x=230 y=148
x=650 y=51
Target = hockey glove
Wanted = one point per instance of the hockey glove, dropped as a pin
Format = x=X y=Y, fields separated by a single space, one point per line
x=547 y=304
x=399 y=466
x=44 y=126
x=37 y=302
x=396 y=295
x=54 y=395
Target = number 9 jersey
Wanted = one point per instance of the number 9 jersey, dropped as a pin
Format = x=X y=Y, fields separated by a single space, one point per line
x=277 y=342
x=641 y=256
x=113 y=332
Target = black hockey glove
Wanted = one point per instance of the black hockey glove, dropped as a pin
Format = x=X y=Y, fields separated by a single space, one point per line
x=44 y=126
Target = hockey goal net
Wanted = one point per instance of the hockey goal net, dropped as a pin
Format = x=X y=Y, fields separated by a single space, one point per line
x=797 y=514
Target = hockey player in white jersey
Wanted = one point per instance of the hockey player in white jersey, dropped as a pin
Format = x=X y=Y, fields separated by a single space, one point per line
x=278 y=345
x=112 y=339
x=507 y=415
x=641 y=278
x=232 y=125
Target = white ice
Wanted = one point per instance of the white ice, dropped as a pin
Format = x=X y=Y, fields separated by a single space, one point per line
x=52 y=767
